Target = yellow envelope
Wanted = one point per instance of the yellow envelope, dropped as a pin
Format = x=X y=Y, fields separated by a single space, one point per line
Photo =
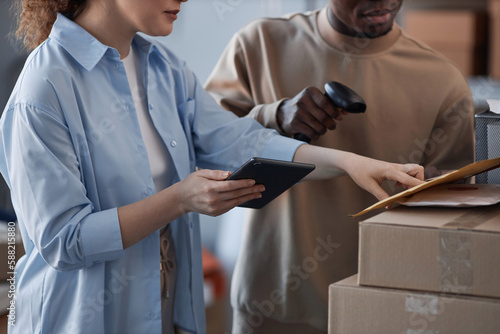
x=464 y=172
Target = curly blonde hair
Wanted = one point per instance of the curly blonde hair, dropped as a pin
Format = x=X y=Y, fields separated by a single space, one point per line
x=36 y=17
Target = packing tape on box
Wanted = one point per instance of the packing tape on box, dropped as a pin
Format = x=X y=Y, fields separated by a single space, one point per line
x=455 y=259
x=420 y=331
x=474 y=218
x=422 y=308
x=456 y=265
x=457 y=272
x=427 y=305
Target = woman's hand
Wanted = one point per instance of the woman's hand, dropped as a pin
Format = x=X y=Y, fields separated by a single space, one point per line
x=366 y=172
x=204 y=191
x=207 y=192
x=370 y=173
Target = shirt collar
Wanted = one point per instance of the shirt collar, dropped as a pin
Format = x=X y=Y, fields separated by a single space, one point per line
x=85 y=48
x=80 y=44
x=148 y=45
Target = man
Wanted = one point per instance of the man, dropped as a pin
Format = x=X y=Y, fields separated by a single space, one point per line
x=419 y=109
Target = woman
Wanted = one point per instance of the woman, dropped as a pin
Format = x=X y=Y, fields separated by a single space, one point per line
x=100 y=142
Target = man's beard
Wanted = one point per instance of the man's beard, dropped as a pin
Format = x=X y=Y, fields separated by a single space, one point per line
x=372 y=35
x=371 y=31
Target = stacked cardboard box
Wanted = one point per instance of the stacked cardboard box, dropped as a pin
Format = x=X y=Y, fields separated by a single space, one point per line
x=460 y=35
x=423 y=271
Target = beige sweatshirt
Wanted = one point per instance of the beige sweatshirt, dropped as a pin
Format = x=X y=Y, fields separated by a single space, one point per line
x=419 y=109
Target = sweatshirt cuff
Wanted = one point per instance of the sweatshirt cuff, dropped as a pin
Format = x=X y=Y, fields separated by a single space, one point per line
x=267 y=116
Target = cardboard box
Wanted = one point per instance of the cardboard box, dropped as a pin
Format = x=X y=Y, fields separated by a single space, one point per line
x=433 y=249
x=469 y=59
x=452 y=27
x=359 y=310
x=460 y=35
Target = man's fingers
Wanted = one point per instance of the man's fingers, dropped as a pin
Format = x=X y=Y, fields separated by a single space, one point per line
x=325 y=112
x=316 y=111
x=311 y=115
x=328 y=109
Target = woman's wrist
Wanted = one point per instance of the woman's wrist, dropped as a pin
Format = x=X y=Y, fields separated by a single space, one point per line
x=347 y=161
x=175 y=196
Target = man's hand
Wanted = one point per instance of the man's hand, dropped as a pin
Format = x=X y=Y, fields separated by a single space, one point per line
x=310 y=113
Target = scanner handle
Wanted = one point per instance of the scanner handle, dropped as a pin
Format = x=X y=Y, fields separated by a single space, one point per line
x=341 y=97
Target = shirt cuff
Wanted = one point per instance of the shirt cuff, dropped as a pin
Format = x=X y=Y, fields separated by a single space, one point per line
x=101 y=238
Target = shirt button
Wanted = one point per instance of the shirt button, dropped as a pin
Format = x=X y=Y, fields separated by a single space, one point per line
x=151 y=107
x=190 y=224
x=173 y=143
x=149 y=191
x=151 y=315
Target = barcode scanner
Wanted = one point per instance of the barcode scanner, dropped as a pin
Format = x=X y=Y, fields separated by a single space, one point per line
x=343 y=98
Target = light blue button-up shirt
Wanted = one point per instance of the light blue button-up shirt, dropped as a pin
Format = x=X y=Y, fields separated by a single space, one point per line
x=72 y=152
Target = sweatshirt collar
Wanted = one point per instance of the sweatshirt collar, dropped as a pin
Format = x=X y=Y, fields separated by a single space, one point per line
x=362 y=46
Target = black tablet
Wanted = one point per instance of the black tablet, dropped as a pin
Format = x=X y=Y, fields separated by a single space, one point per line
x=276 y=175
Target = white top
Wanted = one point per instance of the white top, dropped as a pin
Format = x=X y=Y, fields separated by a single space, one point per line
x=162 y=169
x=159 y=158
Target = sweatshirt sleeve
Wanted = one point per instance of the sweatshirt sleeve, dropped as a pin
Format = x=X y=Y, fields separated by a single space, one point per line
x=451 y=144
x=230 y=86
